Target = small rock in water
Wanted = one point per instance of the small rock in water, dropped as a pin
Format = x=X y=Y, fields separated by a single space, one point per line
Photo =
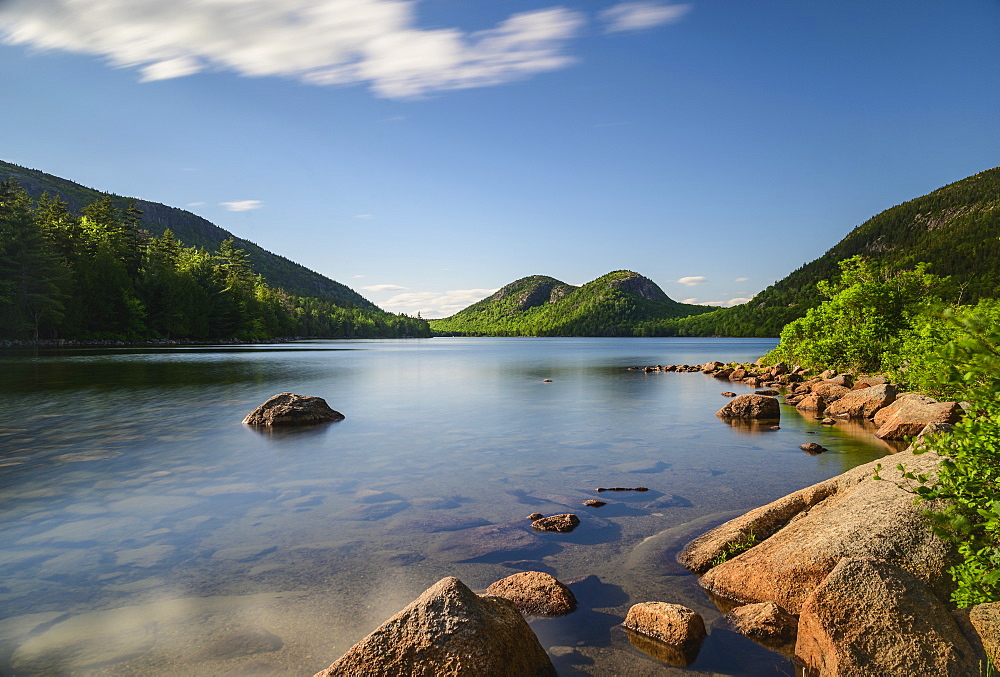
x=535 y=593
x=774 y=427
x=828 y=421
x=535 y=516
x=766 y=392
x=622 y=488
x=812 y=448
x=292 y=409
x=546 y=380
x=671 y=623
x=594 y=503
x=563 y=523
x=728 y=394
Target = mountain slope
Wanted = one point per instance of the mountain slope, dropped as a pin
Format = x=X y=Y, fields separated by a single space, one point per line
x=611 y=305
x=955 y=229
x=192 y=230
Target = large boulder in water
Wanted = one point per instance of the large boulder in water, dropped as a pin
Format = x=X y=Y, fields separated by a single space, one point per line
x=799 y=539
x=448 y=631
x=292 y=409
x=751 y=406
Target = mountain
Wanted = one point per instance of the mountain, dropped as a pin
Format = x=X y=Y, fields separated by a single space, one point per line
x=955 y=229
x=611 y=305
x=193 y=230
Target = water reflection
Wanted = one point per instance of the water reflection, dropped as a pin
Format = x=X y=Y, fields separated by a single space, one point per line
x=146 y=529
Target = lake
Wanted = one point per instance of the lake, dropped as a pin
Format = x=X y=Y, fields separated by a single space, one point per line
x=145 y=530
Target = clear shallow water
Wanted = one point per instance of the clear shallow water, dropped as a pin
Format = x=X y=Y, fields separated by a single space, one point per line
x=146 y=530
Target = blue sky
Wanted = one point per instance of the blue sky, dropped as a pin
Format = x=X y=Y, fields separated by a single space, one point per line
x=427 y=153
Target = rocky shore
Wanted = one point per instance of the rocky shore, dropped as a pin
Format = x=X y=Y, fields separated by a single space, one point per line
x=845 y=576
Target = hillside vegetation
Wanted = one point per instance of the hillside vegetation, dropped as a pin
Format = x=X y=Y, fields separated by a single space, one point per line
x=612 y=305
x=102 y=276
x=955 y=230
x=193 y=231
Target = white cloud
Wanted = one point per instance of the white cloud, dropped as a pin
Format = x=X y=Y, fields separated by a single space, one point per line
x=742 y=279
x=634 y=16
x=358 y=276
x=712 y=303
x=384 y=287
x=690 y=300
x=242 y=205
x=691 y=281
x=321 y=42
x=432 y=304
x=739 y=300
x=363 y=216
x=195 y=204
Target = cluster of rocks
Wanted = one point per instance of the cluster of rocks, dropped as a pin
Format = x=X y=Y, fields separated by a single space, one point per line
x=848 y=577
x=449 y=630
x=897 y=415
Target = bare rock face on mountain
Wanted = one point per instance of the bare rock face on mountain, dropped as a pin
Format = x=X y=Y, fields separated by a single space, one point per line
x=292 y=409
x=446 y=632
x=871 y=618
x=751 y=406
x=802 y=536
x=864 y=402
x=642 y=286
x=535 y=593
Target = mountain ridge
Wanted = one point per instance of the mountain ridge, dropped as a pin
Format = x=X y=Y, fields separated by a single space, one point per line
x=539 y=305
x=192 y=230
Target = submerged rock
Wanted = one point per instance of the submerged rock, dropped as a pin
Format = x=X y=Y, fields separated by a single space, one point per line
x=563 y=523
x=448 y=631
x=535 y=593
x=292 y=409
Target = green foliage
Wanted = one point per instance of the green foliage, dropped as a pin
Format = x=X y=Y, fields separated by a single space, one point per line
x=954 y=229
x=133 y=217
x=616 y=304
x=100 y=276
x=737 y=547
x=968 y=477
x=868 y=309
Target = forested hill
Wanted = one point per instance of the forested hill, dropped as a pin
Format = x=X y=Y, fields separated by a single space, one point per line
x=612 y=305
x=192 y=230
x=955 y=229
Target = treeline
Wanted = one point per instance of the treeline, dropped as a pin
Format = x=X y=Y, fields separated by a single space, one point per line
x=100 y=275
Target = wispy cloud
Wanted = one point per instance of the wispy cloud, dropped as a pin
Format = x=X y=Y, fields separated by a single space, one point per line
x=690 y=300
x=742 y=279
x=692 y=281
x=320 y=42
x=384 y=287
x=738 y=300
x=357 y=276
x=242 y=205
x=364 y=217
x=432 y=304
x=635 y=16
x=195 y=204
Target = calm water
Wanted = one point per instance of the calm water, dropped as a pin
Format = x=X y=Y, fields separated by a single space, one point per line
x=145 y=530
